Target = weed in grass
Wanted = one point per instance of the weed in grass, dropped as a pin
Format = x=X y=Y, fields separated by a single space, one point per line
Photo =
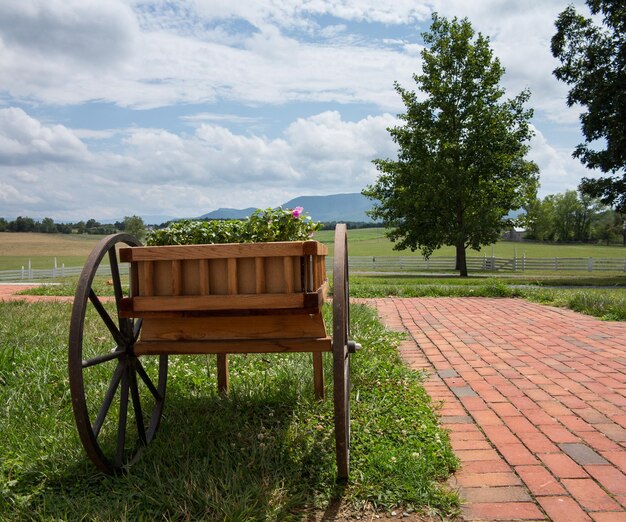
x=266 y=452
x=600 y=304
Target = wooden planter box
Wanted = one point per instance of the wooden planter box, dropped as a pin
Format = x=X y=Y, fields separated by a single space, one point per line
x=251 y=297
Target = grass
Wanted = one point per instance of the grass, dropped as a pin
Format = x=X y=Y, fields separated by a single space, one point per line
x=16 y=248
x=372 y=242
x=606 y=303
x=67 y=287
x=264 y=453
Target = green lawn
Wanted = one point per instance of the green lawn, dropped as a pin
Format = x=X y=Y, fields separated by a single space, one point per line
x=266 y=452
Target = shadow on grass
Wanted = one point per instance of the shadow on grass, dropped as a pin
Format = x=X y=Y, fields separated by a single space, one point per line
x=214 y=458
x=396 y=275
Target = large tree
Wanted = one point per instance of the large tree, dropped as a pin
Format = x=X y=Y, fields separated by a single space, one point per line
x=135 y=226
x=593 y=63
x=460 y=168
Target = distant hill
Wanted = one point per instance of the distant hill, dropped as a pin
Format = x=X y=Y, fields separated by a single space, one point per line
x=336 y=207
x=228 y=213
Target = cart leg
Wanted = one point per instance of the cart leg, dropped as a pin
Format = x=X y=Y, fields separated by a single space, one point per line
x=318 y=375
x=222 y=373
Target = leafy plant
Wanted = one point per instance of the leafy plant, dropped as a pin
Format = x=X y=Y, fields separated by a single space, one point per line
x=267 y=225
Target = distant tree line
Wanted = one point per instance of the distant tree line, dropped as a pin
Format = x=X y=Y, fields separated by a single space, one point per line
x=351 y=225
x=131 y=224
x=572 y=216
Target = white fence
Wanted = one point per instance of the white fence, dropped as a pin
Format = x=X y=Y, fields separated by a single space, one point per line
x=42 y=274
x=481 y=264
x=386 y=264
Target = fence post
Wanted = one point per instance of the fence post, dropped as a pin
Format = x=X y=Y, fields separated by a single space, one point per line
x=30 y=269
x=54 y=270
x=23 y=270
x=524 y=261
x=556 y=263
x=373 y=263
x=515 y=260
x=590 y=265
x=62 y=269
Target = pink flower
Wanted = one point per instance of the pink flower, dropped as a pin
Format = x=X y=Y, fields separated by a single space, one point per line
x=297 y=211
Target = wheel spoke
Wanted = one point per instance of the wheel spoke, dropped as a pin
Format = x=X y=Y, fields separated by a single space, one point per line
x=108 y=399
x=99 y=359
x=146 y=379
x=134 y=393
x=121 y=428
x=115 y=332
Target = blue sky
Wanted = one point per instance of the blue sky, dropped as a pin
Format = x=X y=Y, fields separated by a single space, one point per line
x=173 y=109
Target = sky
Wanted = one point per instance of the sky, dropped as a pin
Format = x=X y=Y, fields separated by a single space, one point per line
x=169 y=109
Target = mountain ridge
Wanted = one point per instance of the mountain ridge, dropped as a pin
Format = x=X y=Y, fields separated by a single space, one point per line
x=334 y=207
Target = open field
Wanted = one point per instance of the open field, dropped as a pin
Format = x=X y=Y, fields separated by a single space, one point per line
x=16 y=248
x=372 y=242
x=72 y=250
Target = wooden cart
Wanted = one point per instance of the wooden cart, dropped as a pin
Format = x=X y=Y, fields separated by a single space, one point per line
x=198 y=299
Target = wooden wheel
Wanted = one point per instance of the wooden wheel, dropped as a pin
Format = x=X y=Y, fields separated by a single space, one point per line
x=105 y=375
x=342 y=347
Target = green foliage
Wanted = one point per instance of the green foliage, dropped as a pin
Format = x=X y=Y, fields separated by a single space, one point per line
x=460 y=166
x=262 y=226
x=134 y=225
x=593 y=64
x=266 y=452
x=562 y=217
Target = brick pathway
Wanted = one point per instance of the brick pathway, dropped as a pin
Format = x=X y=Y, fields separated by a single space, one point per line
x=535 y=401
x=8 y=293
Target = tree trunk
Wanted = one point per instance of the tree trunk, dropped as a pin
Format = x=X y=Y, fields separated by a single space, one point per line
x=461 y=260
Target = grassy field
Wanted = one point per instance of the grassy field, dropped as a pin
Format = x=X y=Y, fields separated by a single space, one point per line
x=72 y=250
x=69 y=249
x=266 y=452
x=372 y=242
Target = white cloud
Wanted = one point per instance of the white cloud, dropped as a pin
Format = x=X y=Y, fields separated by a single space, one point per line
x=559 y=171
x=24 y=140
x=89 y=33
x=141 y=55
x=26 y=177
x=9 y=195
x=160 y=172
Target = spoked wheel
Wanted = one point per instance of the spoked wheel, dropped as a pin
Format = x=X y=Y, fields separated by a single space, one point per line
x=105 y=375
x=342 y=347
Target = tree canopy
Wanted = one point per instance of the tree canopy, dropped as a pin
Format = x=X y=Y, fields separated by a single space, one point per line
x=593 y=63
x=134 y=225
x=461 y=164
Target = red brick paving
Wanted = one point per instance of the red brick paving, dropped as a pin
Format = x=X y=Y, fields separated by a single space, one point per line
x=521 y=385
x=8 y=293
